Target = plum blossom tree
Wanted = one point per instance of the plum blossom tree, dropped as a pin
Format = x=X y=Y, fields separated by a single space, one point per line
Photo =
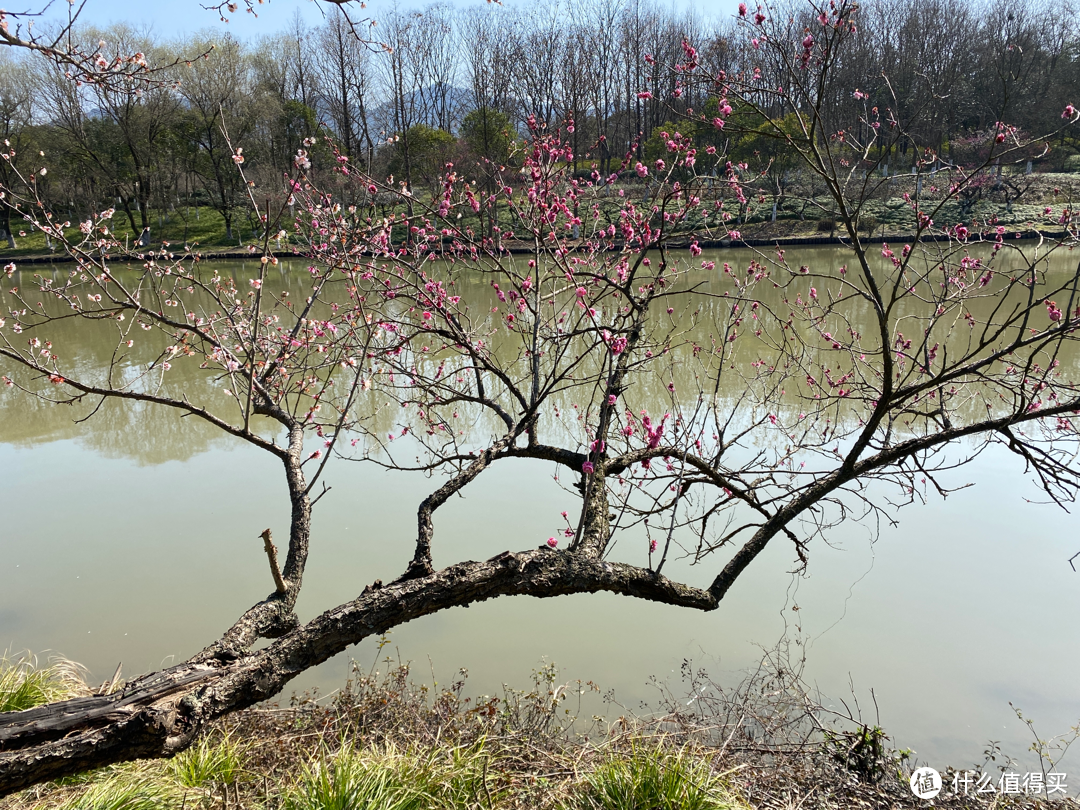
x=796 y=397
x=95 y=64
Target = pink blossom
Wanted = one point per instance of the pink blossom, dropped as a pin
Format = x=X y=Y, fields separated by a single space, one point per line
x=1069 y=111
x=644 y=94
x=588 y=468
x=653 y=432
x=652 y=543
x=642 y=170
x=552 y=542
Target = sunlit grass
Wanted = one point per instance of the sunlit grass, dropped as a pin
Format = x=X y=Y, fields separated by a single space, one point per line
x=351 y=781
x=208 y=762
x=186 y=226
x=395 y=779
x=653 y=778
x=25 y=684
x=122 y=792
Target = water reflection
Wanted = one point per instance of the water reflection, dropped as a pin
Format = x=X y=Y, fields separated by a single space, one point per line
x=125 y=539
x=154 y=435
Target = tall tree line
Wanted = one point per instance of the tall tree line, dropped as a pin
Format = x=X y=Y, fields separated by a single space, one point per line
x=439 y=84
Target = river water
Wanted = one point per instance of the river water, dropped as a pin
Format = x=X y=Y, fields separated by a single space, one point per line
x=132 y=538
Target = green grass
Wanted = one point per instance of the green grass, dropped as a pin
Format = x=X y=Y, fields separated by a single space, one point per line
x=24 y=684
x=653 y=778
x=122 y=792
x=209 y=762
x=390 y=778
x=208 y=230
x=351 y=781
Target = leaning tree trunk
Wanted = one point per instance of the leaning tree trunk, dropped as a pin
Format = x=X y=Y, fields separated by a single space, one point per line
x=159 y=715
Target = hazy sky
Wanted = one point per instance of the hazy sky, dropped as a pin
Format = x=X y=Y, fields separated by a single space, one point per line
x=170 y=18
x=178 y=17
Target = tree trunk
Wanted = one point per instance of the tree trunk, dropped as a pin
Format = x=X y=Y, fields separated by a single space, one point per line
x=7 y=228
x=160 y=714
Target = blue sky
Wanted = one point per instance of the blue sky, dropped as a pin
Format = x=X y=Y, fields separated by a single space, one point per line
x=170 y=18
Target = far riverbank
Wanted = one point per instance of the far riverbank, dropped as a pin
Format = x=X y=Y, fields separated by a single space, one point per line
x=747 y=240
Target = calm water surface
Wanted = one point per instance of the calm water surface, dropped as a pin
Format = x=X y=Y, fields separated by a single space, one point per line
x=133 y=538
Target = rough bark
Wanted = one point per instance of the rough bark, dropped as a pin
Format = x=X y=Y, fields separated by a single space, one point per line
x=274 y=617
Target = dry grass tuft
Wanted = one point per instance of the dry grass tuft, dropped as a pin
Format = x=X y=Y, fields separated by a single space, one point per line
x=24 y=683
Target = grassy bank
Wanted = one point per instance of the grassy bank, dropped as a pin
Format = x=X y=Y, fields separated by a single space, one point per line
x=887 y=215
x=385 y=742
x=201 y=226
